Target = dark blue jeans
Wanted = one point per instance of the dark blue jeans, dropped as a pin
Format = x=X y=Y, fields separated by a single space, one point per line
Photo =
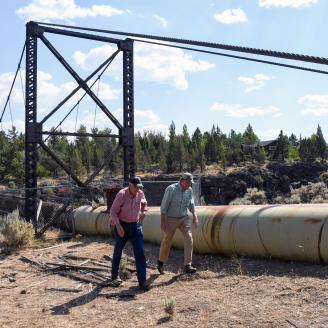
x=132 y=232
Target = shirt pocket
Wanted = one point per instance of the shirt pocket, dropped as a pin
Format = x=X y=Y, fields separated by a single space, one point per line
x=175 y=203
x=185 y=201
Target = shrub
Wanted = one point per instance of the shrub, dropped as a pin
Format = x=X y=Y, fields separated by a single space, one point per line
x=169 y=305
x=12 y=185
x=312 y=193
x=48 y=191
x=259 y=180
x=15 y=231
x=240 y=201
x=253 y=196
x=280 y=199
x=123 y=272
x=123 y=264
x=324 y=177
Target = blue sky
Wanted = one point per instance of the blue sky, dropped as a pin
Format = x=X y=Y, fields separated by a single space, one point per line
x=171 y=84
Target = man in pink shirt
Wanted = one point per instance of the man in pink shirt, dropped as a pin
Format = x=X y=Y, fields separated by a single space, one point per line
x=127 y=213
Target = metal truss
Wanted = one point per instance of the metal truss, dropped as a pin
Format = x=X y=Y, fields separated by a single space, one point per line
x=34 y=129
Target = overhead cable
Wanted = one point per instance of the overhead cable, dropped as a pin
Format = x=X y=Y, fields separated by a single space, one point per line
x=12 y=85
x=255 y=51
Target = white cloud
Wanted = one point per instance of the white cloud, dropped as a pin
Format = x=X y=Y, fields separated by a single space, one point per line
x=316 y=105
x=286 y=3
x=254 y=83
x=49 y=94
x=267 y=134
x=49 y=10
x=318 y=111
x=18 y=124
x=163 y=21
x=314 y=99
x=230 y=16
x=151 y=62
x=237 y=110
x=146 y=120
x=89 y=120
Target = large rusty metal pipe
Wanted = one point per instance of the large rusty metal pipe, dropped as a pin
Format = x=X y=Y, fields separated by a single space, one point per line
x=292 y=232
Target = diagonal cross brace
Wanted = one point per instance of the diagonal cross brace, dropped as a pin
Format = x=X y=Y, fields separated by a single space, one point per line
x=81 y=82
x=107 y=61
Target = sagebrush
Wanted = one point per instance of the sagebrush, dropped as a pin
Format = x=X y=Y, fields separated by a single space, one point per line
x=169 y=305
x=253 y=196
x=15 y=231
x=311 y=193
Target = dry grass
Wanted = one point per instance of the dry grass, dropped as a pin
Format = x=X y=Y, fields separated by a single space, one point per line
x=16 y=232
x=169 y=305
x=238 y=292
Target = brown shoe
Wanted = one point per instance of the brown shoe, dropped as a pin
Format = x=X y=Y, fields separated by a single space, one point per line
x=190 y=269
x=160 y=267
x=144 y=286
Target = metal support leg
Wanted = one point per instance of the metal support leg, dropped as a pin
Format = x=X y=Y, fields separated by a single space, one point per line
x=31 y=153
x=128 y=110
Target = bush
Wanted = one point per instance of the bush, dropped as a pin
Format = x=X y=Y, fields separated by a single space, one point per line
x=48 y=191
x=169 y=305
x=15 y=231
x=259 y=180
x=12 y=185
x=312 y=193
x=324 y=177
x=253 y=196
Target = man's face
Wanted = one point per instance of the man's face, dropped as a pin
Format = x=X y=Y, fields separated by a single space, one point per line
x=185 y=184
x=133 y=189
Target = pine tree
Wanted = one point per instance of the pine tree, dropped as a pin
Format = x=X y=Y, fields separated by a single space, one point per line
x=198 y=146
x=249 y=136
x=281 y=150
x=84 y=148
x=171 y=151
x=321 y=144
x=308 y=149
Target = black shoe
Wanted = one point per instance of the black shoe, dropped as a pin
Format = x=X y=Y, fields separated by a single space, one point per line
x=144 y=286
x=190 y=269
x=160 y=267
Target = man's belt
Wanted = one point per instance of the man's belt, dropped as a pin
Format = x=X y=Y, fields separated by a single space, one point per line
x=124 y=222
x=177 y=217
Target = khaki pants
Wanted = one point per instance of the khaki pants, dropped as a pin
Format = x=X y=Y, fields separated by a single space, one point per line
x=185 y=226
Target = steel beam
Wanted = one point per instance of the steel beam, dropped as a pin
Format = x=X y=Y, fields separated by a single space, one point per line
x=31 y=153
x=128 y=109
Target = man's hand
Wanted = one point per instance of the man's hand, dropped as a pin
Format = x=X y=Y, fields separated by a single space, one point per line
x=195 y=220
x=120 y=230
x=163 y=222
x=141 y=217
x=163 y=226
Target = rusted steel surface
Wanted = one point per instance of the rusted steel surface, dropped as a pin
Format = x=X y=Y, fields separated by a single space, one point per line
x=292 y=232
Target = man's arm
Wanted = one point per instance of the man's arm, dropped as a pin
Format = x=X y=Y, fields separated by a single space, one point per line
x=143 y=207
x=192 y=209
x=163 y=221
x=114 y=210
x=165 y=205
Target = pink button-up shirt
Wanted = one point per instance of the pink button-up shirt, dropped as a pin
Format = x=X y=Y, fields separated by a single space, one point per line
x=128 y=208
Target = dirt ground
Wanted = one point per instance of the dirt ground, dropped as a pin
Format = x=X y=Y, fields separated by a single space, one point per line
x=223 y=293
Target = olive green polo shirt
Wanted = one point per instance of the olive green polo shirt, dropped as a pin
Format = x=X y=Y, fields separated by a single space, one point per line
x=176 y=201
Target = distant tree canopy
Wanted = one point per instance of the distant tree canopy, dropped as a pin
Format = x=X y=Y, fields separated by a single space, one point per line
x=156 y=152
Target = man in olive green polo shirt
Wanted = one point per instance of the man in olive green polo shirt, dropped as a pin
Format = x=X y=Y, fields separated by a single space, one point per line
x=178 y=198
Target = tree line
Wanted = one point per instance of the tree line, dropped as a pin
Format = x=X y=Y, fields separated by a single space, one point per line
x=156 y=152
